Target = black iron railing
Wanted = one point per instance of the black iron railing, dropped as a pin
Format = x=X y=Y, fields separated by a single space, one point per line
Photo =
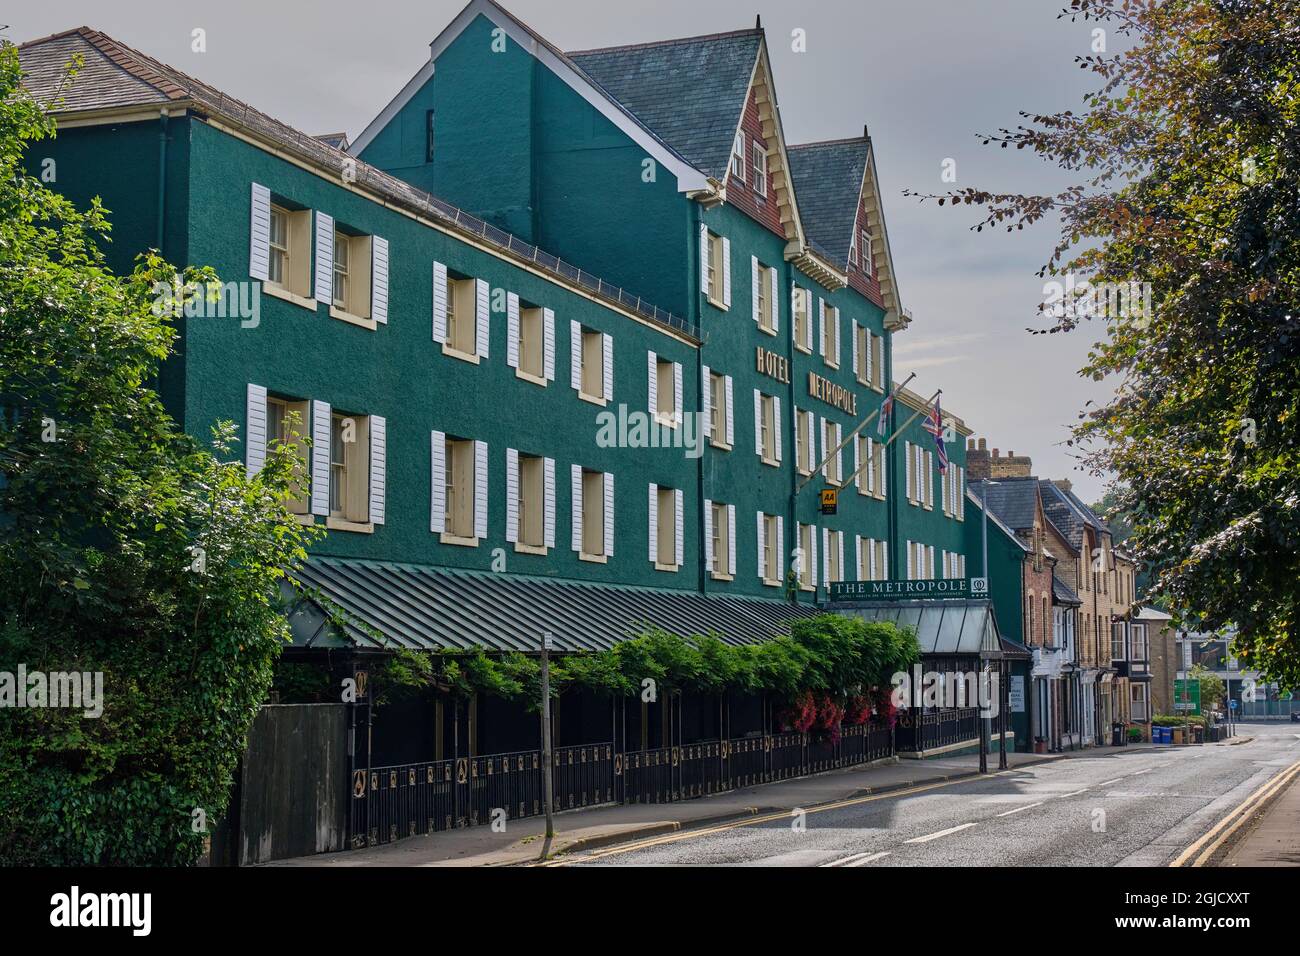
x=415 y=799
x=920 y=731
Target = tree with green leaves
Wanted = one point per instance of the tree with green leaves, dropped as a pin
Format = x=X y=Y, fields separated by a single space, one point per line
x=1180 y=234
x=128 y=552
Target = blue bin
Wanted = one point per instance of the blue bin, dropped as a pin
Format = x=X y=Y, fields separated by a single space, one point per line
x=1162 y=735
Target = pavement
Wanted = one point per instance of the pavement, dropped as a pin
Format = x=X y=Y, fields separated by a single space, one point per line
x=583 y=830
x=1273 y=837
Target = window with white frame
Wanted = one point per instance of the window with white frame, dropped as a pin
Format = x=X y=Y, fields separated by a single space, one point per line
x=535 y=326
x=834 y=554
x=830 y=435
x=665 y=389
x=720 y=532
x=877 y=362
x=349 y=460
x=287 y=422
x=861 y=353
x=665 y=527
x=738 y=157
x=830 y=335
x=801 y=306
x=715 y=279
x=721 y=417
x=769 y=549
x=460 y=480
x=462 y=315
x=592 y=355
x=807 y=557
x=766 y=307
x=803 y=435
x=530 y=501
x=760 y=168
x=592 y=520
x=289 y=250
x=866 y=253
x=767 y=427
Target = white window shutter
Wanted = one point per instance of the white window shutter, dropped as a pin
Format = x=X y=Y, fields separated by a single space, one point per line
x=811 y=558
x=762 y=565
x=483 y=314
x=821 y=327
x=654 y=523
x=794 y=308
x=884 y=556
x=826 y=556
x=575 y=512
x=652 y=378
x=853 y=326
x=609 y=514
x=548 y=502
x=731 y=418
x=857 y=466
x=929 y=479
x=884 y=470
x=731 y=539
x=704 y=260
x=512 y=330
x=839 y=544
x=780 y=547
x=857 y=557
x=379 y=279
x=608 y=342
x=439 y=302
x=758 y=422
x=255 y=430
x=810 y=302
x=725 y=266
x=324 y=257
x=706 y=400
x=320 y=458
x=839 y=333
x=708 y=534
x=870 y=356
x=871 y=465
x=548 y=344
x=677 y=392
x=907 y=466
x=820 y=448
x=575 y=355
x=512 y=494
x=930 y=555
x=776 y=424
x=378 y=468
x=480 y=489
x=679 y=521
x=259 y=238
x=909 y=560
x=772 y=291
x=754 y=288
x=871 y=558
x=961 y=493
x=438 y=483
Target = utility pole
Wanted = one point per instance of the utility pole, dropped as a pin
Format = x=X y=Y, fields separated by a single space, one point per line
x=546 y=734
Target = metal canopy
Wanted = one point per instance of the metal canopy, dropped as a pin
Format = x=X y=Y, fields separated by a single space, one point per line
x=942 y=627
x=381 y=604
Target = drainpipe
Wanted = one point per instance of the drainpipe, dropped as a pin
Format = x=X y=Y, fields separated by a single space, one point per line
x=162 y=178
x=694 y=311
x=792 y=436
x=891 y=460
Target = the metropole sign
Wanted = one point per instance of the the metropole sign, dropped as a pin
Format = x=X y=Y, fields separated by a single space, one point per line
x=900 y=590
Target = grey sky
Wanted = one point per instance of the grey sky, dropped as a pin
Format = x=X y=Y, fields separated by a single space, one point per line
x=925 y=76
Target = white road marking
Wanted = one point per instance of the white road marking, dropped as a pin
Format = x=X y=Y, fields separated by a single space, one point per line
x=1028 y=806
x=1106 y=783
x=942 y=833
x=847 y=860
x=1072 y=793
x=870 y=859
x=1136 y=773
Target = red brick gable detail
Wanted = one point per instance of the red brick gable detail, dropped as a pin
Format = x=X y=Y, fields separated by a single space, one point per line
x=865 y=283
x=741 y=195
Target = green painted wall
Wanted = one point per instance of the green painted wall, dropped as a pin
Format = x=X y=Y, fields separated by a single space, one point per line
x=520 y=148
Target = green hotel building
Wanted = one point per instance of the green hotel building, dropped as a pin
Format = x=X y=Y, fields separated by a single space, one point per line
x=578 y=337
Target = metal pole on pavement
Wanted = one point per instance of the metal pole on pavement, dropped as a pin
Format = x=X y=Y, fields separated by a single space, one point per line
x=547 y=790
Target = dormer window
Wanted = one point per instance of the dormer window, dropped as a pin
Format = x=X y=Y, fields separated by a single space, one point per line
x=760 y=169
x=738 y=157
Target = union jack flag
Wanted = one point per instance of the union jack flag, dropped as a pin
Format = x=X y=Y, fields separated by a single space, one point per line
x=934 y=425
x=882 y=420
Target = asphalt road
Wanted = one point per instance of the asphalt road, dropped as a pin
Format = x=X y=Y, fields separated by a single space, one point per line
x=1102 y=808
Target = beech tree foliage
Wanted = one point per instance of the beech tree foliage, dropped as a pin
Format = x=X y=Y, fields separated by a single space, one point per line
x=1185 y=168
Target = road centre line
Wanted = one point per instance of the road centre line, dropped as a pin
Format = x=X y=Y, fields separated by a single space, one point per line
x=942 y=833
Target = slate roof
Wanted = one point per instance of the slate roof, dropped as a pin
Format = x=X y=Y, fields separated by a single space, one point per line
x=435 y=608
x=1014 y=500
x=116 y=76
x=1062 y=593
x=1065 y=515
x=995 y=520
x=690 y=92
x=828 y=180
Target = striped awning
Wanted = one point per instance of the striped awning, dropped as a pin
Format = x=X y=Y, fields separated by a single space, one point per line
x=371 y=605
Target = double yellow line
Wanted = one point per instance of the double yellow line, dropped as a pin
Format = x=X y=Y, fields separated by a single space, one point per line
x=1200 y=852
x=766 y=818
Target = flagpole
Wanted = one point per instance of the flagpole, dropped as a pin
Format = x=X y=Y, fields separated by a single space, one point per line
x=898 y=431
x=861 y=425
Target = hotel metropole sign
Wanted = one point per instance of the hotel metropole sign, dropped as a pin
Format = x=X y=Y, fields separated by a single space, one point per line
x=827 y=391
x=900 y=590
